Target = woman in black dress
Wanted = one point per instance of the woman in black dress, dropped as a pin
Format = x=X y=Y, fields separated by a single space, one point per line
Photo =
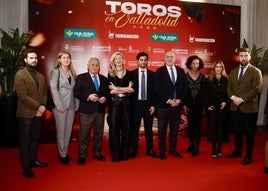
x=216 y=105
x=119 y=113
x=194 y=103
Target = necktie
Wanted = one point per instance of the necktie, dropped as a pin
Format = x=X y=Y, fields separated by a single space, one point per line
x=96 y=83
x=173 y=81
x=143 y=95
x=241 y=73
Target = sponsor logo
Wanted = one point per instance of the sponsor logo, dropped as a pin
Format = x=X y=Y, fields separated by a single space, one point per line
x=113 y=35
x=79 y=33
x=201 y=40
x=180 y=51
x=164 y=37
x=102 y=48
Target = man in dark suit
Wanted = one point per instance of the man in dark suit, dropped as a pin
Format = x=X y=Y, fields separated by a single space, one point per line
x=243 y=87
x=142 y=106
x=31 y=91
x=171 y=88
x=91 y=89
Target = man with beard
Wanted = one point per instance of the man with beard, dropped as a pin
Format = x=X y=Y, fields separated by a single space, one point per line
x=31 y=91
x=243 y=87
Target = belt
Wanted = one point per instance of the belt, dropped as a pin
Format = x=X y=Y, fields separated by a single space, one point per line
x=122 y=95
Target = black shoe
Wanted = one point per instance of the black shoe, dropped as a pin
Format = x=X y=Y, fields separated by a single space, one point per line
x=99 y=157
x=64 y=160
x=81 y=161
x=234 y=155
x=265 y=170
x=28 y=173
x=133 y=155
x=195 y=152
x=190 y=148
x=246 y=161
x=68 y=158
x=38 y=163
x=162 y=156
x=175 y=154
x=152 y=154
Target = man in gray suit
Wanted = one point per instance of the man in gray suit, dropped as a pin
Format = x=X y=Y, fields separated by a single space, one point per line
x=31 y=92
x=243 y=87
x=92 y=90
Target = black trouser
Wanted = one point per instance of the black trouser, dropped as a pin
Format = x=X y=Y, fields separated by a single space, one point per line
x=119 y=125
x=168 y=117
x=244 y=123
x=29 y=135
x=141 y=110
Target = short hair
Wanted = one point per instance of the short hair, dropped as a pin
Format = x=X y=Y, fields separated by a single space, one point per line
x=190 y=60
x=243 y=50
x=142 y=54
x=27 y=51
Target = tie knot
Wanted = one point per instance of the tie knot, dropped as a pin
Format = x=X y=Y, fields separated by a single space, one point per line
x=94 y=76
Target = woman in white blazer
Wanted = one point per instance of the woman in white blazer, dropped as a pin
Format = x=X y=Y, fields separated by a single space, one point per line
x=62 y=82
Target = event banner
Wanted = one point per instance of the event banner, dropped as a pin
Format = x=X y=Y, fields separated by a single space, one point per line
x=99 y=28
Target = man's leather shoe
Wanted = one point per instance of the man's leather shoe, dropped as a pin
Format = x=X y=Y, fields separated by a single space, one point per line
x=38 y=163
x=152 y=154
x=162 y=156
x=28 y=173
x=265 y=170
x=234 y=155
x=246 y=161
x=175 y=154
x=99 y=157
x=64 y=160
x=81 y=161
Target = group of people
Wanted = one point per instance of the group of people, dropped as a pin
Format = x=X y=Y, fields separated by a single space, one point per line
x=132 y=96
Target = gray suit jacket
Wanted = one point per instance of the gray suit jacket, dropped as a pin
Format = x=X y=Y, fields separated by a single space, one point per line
x=248 y=89
x=62 y=90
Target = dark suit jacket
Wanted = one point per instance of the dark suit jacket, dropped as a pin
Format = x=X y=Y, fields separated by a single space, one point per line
x=150 y=86
x=29 y=97
x=84 y=87
x=248 y=89
x=165 y=89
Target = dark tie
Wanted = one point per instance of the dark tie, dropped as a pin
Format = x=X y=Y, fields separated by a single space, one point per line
x=173 y=81
x=241 y=73
x=143 y=95
x=96 y=83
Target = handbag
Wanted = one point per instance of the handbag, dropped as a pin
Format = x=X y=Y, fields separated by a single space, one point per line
x=50 y=103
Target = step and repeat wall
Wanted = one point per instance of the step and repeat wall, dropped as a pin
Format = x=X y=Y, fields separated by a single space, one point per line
x=98 y=28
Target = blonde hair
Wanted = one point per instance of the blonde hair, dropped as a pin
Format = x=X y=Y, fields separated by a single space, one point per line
x=58 y=63
x=212 y=72
x=113 y=68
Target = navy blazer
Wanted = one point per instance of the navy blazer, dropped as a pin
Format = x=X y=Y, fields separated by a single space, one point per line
x=84 y=87
x=150 y=86
x=164 y=87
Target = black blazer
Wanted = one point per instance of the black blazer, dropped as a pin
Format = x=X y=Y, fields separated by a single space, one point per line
x=164 y=87
x=150 y=86
x=84 y=87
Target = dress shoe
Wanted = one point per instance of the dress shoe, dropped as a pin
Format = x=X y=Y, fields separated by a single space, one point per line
x=214 y=155
x=28 y=173
x=234 y=155
x=195 y=152
x=162 y=156
x=133 y=155
x=99 y=157
x=38 y=163
x=175 y=154
x=81 y=161
x=64 y=160
x=152 y=154
x=246 y=161
x=190 y=148
x=265 y=170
